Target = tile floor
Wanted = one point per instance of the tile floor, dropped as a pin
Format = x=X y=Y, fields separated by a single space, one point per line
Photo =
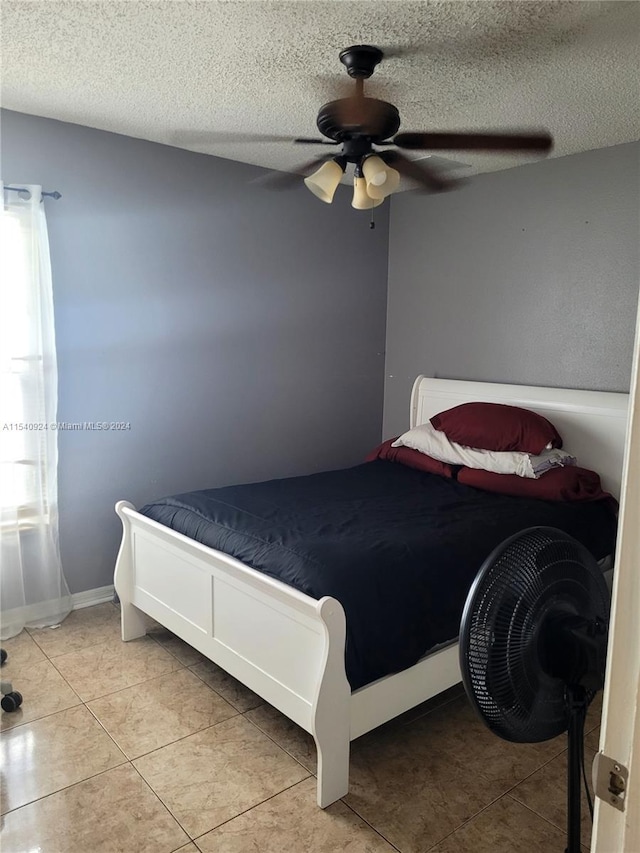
x=147 y=747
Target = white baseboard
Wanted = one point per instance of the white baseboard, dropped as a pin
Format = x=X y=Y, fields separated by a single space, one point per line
x=46 y=612
x=92 y=596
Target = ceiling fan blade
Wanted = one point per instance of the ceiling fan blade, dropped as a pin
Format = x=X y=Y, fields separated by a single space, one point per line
x=401 y=51
x=538 y=141
x=213 y=137
x=224 y=138
x=305 y=140
x=422 y=173
x=288 y=180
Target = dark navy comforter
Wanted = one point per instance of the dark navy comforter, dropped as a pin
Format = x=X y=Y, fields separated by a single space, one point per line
x=397 y=547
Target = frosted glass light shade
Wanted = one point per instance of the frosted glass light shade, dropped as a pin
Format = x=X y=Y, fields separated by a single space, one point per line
x=361 y=199
x=324 y=182
x=381 y=180
x=374 y=170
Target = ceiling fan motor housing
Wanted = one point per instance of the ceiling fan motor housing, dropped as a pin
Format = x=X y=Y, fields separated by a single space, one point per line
x=380 y=117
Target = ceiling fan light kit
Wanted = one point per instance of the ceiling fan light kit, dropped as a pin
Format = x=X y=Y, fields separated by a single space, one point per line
x=381 y=179
x=324 y=182
x=361 y=198
x=373 y=181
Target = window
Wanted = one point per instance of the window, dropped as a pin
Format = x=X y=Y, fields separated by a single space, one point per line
x=33 y=590
x=22 y=402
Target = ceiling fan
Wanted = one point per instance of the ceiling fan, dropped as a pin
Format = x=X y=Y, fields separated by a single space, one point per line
x=362 y=125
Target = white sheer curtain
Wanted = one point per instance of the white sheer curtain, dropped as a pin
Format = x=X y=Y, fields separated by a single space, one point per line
x=33 y=590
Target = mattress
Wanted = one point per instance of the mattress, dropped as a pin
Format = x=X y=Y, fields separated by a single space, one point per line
x=397 y=547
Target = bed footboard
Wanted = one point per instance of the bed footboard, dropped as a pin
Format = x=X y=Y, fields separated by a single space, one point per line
x=282 y=644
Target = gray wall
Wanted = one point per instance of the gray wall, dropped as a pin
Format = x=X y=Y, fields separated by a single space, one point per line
x=528 y=275
x=239 y=331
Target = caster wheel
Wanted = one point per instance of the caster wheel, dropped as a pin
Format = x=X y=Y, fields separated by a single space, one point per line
x=12 y=701
x=3 y=656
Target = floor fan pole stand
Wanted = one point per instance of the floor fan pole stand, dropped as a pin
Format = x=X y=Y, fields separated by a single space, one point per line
x=577 y=700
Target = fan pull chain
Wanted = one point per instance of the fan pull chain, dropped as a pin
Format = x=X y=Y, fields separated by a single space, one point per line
x=372 y=224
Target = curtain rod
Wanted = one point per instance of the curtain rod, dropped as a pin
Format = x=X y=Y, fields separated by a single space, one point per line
x=55 y=194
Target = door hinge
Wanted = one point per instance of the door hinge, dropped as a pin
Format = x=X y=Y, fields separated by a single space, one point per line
x=610 y=780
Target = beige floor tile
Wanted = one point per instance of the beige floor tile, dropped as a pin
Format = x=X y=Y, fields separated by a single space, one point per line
x=160 y=711
x=214 y=775
x=301 y=745
x=21 y=652
x=107 y=667
x=545 y=792
x=592 y=740
x=416 y=780
x=186 y=654
x=111 y=813
x=411 y=792
x=49 y=754
x=455 y=730
x=292 y=821
x=594 y=713
x=505 y=827
x=285 y=733
x=85 y=627
x=427 y=707
x=44 y=691
x=227 y=686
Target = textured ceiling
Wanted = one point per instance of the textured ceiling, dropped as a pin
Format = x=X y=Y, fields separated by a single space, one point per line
x=168 y=71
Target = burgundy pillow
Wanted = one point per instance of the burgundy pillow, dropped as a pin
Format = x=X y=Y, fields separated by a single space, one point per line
x=558 y=484
x=410 y=458
x=494 y=426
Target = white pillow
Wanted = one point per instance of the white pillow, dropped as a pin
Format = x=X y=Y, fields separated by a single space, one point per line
x=427 y=439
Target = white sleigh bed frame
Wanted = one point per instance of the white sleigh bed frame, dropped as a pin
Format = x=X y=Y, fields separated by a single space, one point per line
x=288 y=647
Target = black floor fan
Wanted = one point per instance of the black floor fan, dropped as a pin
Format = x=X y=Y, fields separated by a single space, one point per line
x=533 y=644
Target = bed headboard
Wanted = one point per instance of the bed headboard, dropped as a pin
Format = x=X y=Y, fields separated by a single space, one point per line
x=593 y=424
